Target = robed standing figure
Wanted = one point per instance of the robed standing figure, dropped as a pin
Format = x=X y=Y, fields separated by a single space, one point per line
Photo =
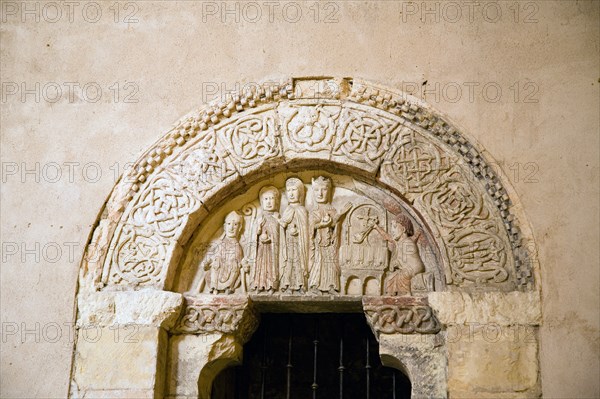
x=294 y=222
x=265 y=274
x=324 y=220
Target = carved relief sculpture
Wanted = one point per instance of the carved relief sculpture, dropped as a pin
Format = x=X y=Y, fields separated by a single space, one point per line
x=405 y=262
x=363 y=253
x=324 y=274
x=294 y=221
x=395 y=159
x=404 y=144
x=225 y=264
x=311 y=129
x=352 y=252
x=265 y=273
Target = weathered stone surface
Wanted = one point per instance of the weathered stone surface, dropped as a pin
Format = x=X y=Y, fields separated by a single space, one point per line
x=195 y=360
x=493 y=362
x=487 y=307
x=148 y=308
x=119 y=362
x=421 y=357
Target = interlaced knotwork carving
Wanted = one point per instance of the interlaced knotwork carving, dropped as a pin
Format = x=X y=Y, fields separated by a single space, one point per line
x=232 y=315
x=252 y=140
x=394 y=317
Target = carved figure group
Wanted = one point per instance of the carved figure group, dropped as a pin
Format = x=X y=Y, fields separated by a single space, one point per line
x=299 y=251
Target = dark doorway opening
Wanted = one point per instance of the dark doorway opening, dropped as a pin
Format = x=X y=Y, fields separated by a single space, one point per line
x=304 y=356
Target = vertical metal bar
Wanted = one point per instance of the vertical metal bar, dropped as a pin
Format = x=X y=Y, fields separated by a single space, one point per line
x=289 y=363
x=393 y=384
x=368 y=370
x=263 y=366
x=315 y=386
x=341 y=367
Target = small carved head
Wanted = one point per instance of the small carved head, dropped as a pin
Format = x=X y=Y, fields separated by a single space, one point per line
x=321 y=187
x=233 y=224
x=403 y=224
x=294 y=190
x=269 y=198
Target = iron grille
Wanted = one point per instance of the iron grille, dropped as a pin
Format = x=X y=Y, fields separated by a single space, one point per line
x=304 y=356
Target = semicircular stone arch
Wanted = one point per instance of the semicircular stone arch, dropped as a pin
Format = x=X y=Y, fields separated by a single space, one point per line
x=387 y=139
x=387 y=149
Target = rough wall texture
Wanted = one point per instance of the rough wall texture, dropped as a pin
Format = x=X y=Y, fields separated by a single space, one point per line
x=524 y=83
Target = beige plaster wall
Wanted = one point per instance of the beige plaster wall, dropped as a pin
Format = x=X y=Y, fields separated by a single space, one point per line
x=545 y=134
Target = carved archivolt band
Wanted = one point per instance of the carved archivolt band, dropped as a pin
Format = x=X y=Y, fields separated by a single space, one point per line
x=392 y=139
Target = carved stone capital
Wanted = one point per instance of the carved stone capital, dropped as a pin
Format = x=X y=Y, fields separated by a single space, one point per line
x=233 y=315
x=400 y=315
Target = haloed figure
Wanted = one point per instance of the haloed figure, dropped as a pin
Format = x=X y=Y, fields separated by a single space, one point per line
x=225 y=266
x=324 y=274
x=294 y=222
x=265 y=275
